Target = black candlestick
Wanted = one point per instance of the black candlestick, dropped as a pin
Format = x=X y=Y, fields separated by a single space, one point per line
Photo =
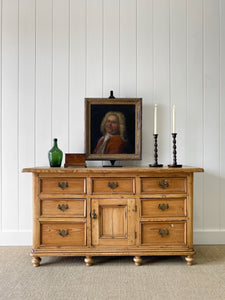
x=111 y=95
x=174 y=165
x=156 y=165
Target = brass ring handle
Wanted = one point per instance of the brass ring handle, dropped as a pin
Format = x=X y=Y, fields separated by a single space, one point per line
x=63 y=207
x=93 y=214
x=63 y=232
x=113 y=185
x=63 y=185
x=163 y=232
x=163 y=206
x=163 y=184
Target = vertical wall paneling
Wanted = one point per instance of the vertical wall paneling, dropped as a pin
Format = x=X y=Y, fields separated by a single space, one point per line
x=178 y=71
x=222 y=114
x=77 y=59
x=110 y=47
x=1 y=116
x=194 y=130
x=60 y=86
x=94 y=52
x=128 y=48
x=54 y=53
x=94 y=48
x=43 y=110
x=26 y=106
x=145 y=75
x=10 y=115
x=161 y=48
x=128 y=51
x=212 y=107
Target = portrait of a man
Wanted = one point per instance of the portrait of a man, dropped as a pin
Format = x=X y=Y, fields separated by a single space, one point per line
x=113 y=128
x=114 y=139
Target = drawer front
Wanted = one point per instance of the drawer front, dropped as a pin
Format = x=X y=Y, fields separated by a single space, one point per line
x=113 y=185
x=63 y=185
x=163 y=207
x=64 y=207
x=63 y=234
x=163 y=185
x=163 y=233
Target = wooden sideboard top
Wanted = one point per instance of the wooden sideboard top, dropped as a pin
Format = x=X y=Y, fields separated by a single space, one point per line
x=113 y=170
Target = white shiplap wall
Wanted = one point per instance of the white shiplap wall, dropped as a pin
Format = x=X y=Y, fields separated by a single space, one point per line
x=54 y=53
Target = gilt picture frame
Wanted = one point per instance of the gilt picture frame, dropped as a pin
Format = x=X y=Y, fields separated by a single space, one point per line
x=113 y=128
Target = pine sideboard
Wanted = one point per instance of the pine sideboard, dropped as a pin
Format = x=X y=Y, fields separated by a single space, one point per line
x=127 y=211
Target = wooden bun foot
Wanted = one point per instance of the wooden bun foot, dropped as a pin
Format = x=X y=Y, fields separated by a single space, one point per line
x=36 y=261
x=88 y=261
x=137 y=260
x=189 y=259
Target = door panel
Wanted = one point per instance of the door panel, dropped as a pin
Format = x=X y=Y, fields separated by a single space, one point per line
x=114 y=222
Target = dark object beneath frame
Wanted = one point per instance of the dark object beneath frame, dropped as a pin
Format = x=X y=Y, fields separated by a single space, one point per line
x=112 y=165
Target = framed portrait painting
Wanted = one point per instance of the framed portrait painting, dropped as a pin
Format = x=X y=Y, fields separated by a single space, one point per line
x=113 y=128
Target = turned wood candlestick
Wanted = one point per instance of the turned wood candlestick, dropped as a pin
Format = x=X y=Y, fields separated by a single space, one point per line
x=174 y=165
x=156 y=165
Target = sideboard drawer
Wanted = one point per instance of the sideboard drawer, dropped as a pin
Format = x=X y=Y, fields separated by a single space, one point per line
x=63 y=185
x=163 y=185
x=163 y=233
x=164 y=207
x=63 y=234
x=64 y=207
x=113 y=185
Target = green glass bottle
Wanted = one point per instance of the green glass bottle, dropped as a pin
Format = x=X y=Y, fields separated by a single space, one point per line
x=55 y=155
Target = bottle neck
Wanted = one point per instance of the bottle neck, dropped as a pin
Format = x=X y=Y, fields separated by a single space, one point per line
x=55 y=143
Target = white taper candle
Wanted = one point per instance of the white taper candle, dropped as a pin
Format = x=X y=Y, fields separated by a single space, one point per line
x=174 y=119
x=155 y=119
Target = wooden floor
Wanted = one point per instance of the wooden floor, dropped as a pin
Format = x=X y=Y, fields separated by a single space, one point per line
x=112 y=277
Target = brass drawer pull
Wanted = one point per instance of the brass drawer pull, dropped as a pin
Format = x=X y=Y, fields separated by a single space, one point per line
x=63 y=232
x=163 y=184
x=63 y=207
x=163 y=232
x=63 y=185
x=113 y=185
x=93 y=214
x=163 y=206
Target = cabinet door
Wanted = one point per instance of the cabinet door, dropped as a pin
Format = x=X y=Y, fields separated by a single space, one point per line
x=113 y=222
